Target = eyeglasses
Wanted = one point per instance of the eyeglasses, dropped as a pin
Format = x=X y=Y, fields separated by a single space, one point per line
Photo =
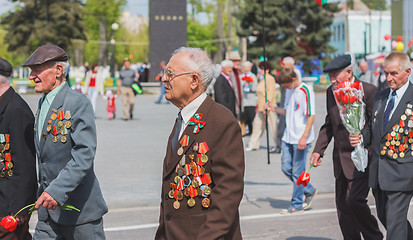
x=171 y=75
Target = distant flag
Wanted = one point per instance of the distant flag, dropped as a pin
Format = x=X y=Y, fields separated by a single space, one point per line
x=321 y=2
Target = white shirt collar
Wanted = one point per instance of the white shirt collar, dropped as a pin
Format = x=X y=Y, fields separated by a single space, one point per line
x=400 y=92
x=189 y=110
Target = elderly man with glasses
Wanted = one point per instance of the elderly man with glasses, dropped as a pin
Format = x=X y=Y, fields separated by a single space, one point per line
x=203 y=170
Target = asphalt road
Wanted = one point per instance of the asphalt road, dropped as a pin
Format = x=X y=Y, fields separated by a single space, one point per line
x=128 y=165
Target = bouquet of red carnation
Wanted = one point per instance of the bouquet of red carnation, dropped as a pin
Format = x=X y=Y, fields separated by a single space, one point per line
x=304 y=177
x=247 y=78
x=349 y=98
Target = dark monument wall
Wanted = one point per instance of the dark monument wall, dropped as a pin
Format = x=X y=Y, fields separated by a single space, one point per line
x=167 y=28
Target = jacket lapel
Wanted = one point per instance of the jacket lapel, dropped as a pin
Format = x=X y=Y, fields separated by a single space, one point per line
x=401 y=107
x=172 y=156
x=56 y=104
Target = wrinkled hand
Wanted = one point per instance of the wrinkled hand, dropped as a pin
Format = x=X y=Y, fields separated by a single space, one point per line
x=354 y=139
x=46 y=201
x=315 y=159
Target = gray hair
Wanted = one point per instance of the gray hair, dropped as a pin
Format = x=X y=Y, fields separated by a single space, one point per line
x=246 y=64
x=65 y=67
x=404 y=61
x=200 y=63
x=227 y=63
x=4 y=79
x=288 y=60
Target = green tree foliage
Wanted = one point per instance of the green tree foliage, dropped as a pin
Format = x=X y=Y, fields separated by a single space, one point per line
x=376 y=4
x=296 y=28
x=99 y=17
x=200 y=35
x=35 y=23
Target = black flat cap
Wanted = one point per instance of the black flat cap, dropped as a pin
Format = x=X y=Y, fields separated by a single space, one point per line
x=338 y=63
x=44 y=54
x=5 y=67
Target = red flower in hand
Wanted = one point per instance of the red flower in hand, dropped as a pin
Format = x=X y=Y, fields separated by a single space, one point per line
x=9 y=223
x=247 y=78
x=303 y=179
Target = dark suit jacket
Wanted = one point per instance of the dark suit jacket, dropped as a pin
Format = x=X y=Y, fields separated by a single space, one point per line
x=17 y=120
x=393 y=174
x=224 y=94
x=333 y=127
x=66 y=169
x=226 y=166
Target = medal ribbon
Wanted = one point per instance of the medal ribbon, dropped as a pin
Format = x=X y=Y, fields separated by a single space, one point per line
x=196 y=120
x=177 y=167
x=7 y=157
x=61 y=115
x=199 y=162
x=2 y=138
x=7 y=138
x=188 y=169
x=203 y=148
x=180 y=184
x=206 y=179
x=192 y=191
x=401 y=123
x=63 y=131
x=54 y=130
x=411 y=133
x=401 y=148
x=184 y=141
x=67 y=115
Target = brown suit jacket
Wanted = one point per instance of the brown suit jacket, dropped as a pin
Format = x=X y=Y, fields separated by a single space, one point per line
x=333 y=127
x=226 y=166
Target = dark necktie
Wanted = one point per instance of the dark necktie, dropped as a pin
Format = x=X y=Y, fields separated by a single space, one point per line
x=389 y=108
x=177 y=131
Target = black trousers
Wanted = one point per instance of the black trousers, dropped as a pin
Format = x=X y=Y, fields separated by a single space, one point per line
x=392 y=208
x=354 y=215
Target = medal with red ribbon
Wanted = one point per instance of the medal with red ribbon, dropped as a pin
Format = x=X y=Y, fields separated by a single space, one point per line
x=60 y=116
x=196 y=120
x=7 y=157
x=184 y=143
x=54 y=132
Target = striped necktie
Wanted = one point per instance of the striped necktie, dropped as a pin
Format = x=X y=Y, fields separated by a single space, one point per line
x=389 y=108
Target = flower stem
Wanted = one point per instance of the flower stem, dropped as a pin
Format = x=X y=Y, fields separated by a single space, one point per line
x=310 y=167
x=30 y=205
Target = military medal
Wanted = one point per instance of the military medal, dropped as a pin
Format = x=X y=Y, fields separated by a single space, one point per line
x=54 y=132
x=203 y=149
x=176 y=205
x=7 y=145
x=206 y=202
x=53 y=116
x=395 y=155
x=171 y=194
x=63 y=131
x=195 y=147
x=179 y=195
x=10 y=173
x=401 y=155
x=196 y=120
x=9 y=165
x=184 y=143
x=191 y=202
x=68 y=124
x=60 y=116
x=2 y=174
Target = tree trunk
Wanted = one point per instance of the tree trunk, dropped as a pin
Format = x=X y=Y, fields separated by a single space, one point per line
x=220 y=31
x=102 y=61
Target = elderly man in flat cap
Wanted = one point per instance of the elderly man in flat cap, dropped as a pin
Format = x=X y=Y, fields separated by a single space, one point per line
x=354 y=214
x=18 y=183
x=65 y=140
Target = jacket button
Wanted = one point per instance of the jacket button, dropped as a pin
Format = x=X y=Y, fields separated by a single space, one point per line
x=44 y=179
x=41 y=160
x=166 y=196
x=167 y=217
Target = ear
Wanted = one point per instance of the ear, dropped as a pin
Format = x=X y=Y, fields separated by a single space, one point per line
x=195 y=81
x=59 y=71
x=408 y=71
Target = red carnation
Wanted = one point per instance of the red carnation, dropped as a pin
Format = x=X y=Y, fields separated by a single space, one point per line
x=304 y=179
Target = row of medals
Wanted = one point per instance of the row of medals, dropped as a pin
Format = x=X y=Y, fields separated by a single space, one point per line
x=206 y=202
x=67 y=124
x=393 y=146
x=5 y=164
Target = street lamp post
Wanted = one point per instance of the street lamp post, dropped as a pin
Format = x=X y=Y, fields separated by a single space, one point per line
x=115 y=27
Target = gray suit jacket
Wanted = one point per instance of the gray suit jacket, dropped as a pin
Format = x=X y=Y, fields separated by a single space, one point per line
x=66 y=169
x=391 y=173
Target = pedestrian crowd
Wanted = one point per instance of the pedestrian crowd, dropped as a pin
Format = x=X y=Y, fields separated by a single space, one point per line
x=204 y=165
